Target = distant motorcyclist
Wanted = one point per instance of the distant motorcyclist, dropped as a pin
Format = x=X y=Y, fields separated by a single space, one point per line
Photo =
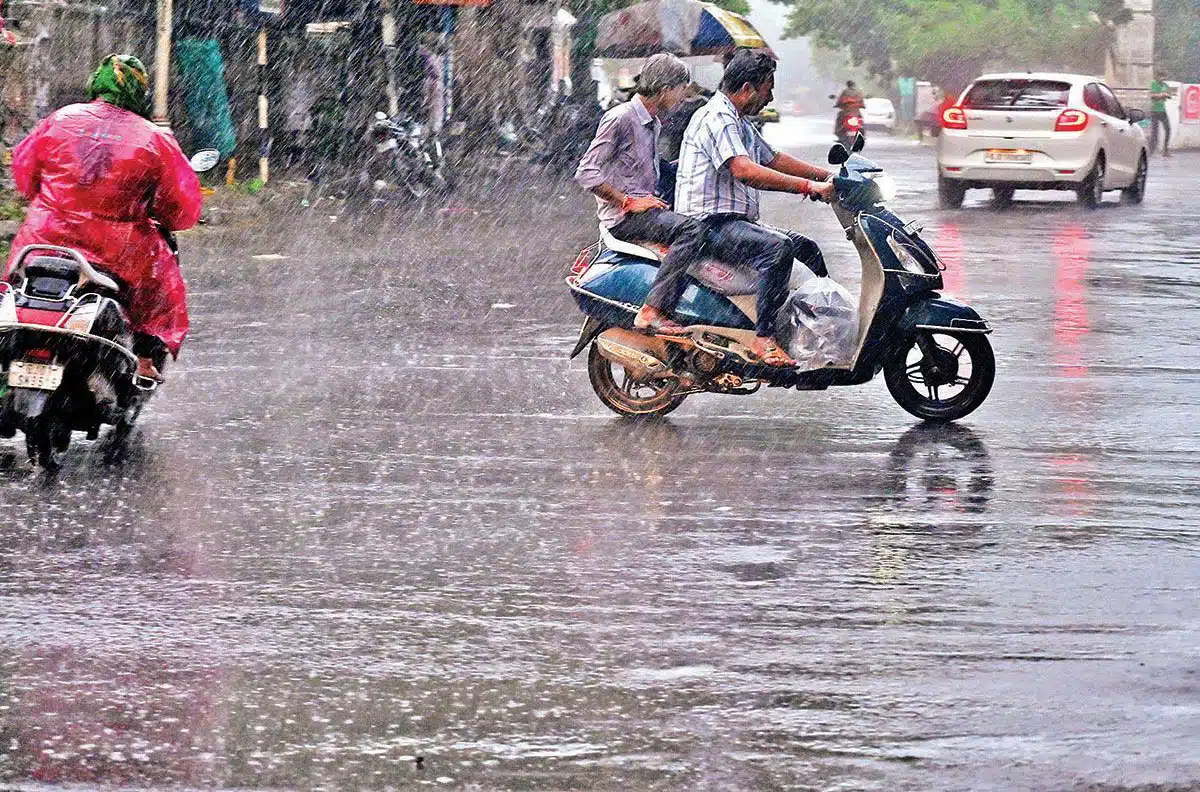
x=850 y=101
x=105 y=181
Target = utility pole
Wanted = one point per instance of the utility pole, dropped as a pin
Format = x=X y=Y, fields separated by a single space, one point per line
x=387 y=24
x=162 y=61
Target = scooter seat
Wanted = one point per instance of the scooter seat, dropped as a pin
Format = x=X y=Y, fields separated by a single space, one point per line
x=723 y=277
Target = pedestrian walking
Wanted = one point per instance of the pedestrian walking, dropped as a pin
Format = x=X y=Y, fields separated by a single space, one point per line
x=1160 y=92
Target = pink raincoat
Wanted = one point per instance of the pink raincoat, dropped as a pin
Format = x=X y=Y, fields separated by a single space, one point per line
x=100 y=178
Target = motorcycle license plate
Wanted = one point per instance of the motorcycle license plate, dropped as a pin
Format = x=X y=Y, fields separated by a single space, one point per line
x=1009 y=155
x=38 y=376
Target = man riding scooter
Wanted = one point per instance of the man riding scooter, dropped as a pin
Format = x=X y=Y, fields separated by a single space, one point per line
x=723 y=164
x=105 y=181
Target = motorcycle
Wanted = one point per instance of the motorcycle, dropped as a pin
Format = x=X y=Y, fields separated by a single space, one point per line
x=849 y=128
x=66 y=350
x=404 y=157
x=933 y=351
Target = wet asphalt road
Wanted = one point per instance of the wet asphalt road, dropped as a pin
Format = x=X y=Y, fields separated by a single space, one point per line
x=377 y=515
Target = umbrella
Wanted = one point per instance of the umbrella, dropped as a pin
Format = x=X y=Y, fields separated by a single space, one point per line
x=681 y=27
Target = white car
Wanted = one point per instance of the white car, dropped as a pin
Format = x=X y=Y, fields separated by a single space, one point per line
x=1040 y=131
x=879 y=113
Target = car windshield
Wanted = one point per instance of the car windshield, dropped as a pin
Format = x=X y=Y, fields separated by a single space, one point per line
x=1008 y=94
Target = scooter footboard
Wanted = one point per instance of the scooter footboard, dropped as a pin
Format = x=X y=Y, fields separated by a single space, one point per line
x=944 y=314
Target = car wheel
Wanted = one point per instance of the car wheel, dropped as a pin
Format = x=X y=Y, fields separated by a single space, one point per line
x=1091 y=192
x=1002 y=197
x=1136 y=193
x=950 y=193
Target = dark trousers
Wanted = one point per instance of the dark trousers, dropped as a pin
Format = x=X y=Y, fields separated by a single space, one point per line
x=682 y=234
x=771 y=252
x=1160 y=120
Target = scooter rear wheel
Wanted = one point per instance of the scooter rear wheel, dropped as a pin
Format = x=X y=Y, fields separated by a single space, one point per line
x=941 y=376
x=627 y=396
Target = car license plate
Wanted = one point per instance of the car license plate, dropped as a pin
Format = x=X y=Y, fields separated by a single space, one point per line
x=39 y=376
x=1009 y=155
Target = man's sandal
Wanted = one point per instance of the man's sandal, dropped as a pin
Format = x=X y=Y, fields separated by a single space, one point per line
x=775 y=357
x=660 y=326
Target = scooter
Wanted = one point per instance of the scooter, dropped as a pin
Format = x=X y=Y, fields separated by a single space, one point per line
x=933 y=351
x=66 y=350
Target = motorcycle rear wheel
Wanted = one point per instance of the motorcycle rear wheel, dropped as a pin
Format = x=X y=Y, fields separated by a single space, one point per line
x=630 y=397
x=916 y=379
x=47 y=440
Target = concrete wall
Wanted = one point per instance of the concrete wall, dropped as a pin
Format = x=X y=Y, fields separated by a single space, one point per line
x=62 y=45
x=1185 y=126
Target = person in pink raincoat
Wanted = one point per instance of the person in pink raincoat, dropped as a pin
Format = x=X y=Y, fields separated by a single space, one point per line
x=103 y=180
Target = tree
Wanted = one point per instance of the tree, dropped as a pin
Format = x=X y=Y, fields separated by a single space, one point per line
x=951 y=41
x=1177 y=45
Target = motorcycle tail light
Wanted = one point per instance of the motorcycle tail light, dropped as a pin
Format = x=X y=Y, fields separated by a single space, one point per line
x=82 y=317
x=39 y=355
x=853 y=122
x=954 y=118
x=582 y=262
x=1071 y=121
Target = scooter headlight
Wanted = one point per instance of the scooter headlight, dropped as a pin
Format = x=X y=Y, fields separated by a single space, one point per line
x=887 y=187
x=908 y=261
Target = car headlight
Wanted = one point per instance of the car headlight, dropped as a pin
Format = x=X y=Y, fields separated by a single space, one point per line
x=907 y=260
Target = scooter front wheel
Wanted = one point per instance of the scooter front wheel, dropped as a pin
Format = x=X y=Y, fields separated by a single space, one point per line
x=941 y=376
x=627 y=396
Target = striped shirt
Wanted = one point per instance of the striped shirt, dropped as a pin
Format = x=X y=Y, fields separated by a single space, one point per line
x=704 y=184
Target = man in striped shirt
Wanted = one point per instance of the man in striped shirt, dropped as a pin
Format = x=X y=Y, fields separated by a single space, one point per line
x=723 y=164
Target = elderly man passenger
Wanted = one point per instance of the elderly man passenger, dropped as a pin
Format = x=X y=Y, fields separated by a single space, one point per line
x=621 y=169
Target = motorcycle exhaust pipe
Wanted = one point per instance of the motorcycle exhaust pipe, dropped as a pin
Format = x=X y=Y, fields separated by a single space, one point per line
x=639 y=354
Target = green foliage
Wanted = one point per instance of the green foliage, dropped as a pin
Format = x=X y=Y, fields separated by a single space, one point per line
x=1178 y=44
x=12 y=206
x=951 y=41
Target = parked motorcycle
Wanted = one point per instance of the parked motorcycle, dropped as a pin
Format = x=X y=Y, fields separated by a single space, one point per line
x=66 y=350
x=933 y=351
x=405 y=158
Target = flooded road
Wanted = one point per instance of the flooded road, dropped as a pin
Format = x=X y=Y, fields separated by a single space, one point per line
x=377 y=516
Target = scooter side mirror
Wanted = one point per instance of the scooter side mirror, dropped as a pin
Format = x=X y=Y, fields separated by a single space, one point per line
x=859 y=144
x=838 y=154
x=205 y=160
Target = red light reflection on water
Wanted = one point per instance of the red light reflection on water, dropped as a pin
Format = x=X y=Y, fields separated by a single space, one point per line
x=1072 y=249
x=952 y=252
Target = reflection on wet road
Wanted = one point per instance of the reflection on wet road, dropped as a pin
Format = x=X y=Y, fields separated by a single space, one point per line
x=377 y=516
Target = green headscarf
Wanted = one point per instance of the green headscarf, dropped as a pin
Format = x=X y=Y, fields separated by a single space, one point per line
x=122 y=80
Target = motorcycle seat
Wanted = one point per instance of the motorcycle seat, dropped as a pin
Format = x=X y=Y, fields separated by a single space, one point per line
x=723 y=277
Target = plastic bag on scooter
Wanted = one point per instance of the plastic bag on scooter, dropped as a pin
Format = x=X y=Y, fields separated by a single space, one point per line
x=822 y=316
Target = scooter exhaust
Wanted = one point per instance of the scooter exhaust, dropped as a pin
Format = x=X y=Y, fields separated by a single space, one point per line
x=640 y=355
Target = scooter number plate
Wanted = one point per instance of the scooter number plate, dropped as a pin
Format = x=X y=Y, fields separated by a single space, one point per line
x=38 y=376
